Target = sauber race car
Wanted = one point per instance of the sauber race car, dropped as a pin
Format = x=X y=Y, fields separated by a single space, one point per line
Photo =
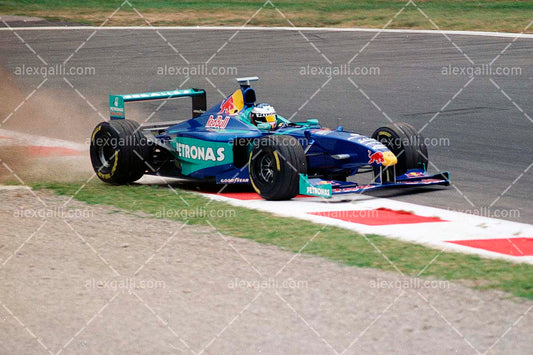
x=241 y=141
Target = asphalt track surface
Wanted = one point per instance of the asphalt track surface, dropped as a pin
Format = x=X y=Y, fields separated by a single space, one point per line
x=486 y=121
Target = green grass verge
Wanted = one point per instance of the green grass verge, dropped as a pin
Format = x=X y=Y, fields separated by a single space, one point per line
x=488 y=15
x=334 y=243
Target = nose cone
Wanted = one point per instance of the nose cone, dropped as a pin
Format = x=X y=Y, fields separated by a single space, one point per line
x=389 y=159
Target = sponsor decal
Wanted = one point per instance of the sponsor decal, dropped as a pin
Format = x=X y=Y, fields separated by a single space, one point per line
x=371 y=143
x=359 y=188
x=200 y=153
x=232 y=105
x=415 y=174
x=317 y=191
x=117 y=109
x=228 y=107
x=376 y=157
x=235 y=180
x=421 y=182
x=117 y=115
x=116 y=106
x=305 y=187
x=196 y=154
x=367 y=141
x=217 y=122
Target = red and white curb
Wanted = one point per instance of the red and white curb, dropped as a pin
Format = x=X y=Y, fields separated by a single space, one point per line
x=433 y=227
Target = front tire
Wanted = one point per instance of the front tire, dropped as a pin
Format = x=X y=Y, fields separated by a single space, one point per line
x=119 y=151
x=275 y=165
x=403 y=140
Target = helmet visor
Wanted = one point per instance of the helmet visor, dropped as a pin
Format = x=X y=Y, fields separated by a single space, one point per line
x=271 y=118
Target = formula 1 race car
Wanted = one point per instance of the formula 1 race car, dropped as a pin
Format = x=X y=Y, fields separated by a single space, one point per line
x=239 y=141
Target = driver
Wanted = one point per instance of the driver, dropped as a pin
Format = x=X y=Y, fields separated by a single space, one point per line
x=264 y=113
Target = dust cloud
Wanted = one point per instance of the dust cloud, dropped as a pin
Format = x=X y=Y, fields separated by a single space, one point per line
x=48 y=113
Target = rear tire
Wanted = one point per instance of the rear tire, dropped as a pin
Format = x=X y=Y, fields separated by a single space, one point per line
x=403 y=140
x=275 y=165
x=119 y=151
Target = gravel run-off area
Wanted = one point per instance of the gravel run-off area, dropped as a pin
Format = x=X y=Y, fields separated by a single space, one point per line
x=78 y=278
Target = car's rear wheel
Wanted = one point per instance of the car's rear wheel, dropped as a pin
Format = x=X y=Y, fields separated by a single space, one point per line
x=403 y=140
x=119 y=151
x=275 y=165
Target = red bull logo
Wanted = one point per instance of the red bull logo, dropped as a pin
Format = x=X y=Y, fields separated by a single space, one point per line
x=376 y=157
x=218 y=122
x=415 y=174
x=228 y=107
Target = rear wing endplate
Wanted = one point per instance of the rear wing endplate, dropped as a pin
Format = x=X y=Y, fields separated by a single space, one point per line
x=116 y=102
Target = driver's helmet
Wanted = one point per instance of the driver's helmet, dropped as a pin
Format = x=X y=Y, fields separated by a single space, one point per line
x=264 y=113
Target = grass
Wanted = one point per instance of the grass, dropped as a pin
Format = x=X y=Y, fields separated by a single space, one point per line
x=334 y=243
x=488 y=15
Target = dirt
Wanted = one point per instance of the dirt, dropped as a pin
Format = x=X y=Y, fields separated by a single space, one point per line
x=44 y=113
x=16 y=167
x=80 y=278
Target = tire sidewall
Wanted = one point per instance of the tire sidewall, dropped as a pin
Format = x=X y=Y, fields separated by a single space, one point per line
x=104 y=133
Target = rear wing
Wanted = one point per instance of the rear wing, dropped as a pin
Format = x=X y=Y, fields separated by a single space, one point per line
x=116 y=102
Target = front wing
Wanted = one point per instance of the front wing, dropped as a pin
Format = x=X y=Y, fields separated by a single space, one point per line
x=328 y=188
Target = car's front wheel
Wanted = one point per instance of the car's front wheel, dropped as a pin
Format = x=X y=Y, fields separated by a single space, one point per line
x=406 y=143
x=275 y=165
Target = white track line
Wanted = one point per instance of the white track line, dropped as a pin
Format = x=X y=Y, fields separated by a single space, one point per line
x=260 y=28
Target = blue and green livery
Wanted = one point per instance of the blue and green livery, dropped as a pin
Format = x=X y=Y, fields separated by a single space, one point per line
x=222 y=145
